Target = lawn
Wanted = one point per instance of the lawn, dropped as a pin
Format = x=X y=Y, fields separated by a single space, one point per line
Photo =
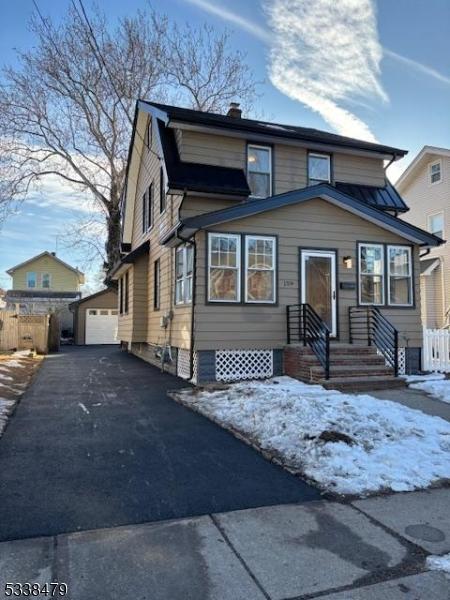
x=344 y=443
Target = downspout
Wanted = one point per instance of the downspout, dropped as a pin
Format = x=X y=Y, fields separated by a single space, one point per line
x=394 y=157
x=194 y=287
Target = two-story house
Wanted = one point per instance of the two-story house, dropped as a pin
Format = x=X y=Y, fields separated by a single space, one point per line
x=425 y=184
x=244 y=240
x=45 y=284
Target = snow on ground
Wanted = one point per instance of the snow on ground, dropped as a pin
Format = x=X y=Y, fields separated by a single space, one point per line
x=439 y=563
x=10 y=384
x=436 y=385
x=385 y=446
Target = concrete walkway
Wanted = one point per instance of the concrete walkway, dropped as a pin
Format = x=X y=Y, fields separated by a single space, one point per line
x=373 y=549
x=415 y=399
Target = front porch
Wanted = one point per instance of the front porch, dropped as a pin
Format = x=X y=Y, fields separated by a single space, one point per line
x=368 y=360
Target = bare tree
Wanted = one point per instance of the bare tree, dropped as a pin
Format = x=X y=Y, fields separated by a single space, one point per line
x=67 y=109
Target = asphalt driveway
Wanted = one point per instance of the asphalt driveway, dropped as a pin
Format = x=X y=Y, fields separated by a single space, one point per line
x=95 y=442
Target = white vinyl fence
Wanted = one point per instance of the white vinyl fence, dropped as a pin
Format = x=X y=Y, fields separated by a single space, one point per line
x=436 y=350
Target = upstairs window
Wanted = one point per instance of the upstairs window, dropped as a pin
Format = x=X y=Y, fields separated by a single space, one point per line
x=156 y=284
x=436 y=224
x=371 y=274
x=435 y=172
x=184 y=264
x=126 y=292
x=147 y=209
x=31 y=279
x=259 y=171
x=319 y=168
x=148 y=141
x=46 y=280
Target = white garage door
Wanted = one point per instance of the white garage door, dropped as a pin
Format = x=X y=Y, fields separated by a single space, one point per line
x=101 y=326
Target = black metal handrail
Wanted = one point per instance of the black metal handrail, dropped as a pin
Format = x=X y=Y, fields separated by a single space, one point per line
x=304 y=325
x=367 y=324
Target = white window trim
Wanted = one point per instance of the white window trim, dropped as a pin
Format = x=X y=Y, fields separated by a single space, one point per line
x=320 y=155
x=430 y=166
x=273 y=270
x=184 y=277
x=410 y=275
x=32 y=287
x=261 y=147
x=237 y=268
x=382 y=275
x=436 y=214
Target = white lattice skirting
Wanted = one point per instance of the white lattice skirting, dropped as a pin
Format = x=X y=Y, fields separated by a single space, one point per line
x=183 y=363
x=234 y=365
x=401 y=360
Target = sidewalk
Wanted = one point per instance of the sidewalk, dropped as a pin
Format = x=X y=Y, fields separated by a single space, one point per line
x=373 y=549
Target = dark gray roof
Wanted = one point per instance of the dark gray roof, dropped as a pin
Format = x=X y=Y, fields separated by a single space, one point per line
x=27 y=294
x=249 y=126
x=196 y=177
x=322 y=190
x=385 y=198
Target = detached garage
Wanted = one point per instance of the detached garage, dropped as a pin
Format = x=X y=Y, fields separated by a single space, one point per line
x=96 y=318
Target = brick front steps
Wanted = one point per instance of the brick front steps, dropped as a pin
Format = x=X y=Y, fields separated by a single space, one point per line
x=352 y=368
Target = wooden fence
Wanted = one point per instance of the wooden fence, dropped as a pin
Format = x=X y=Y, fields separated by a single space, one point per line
x=28 y=332
x=436 y=350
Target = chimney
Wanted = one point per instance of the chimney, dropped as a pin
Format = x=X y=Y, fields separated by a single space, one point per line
x=234 y=110
x=53 y=253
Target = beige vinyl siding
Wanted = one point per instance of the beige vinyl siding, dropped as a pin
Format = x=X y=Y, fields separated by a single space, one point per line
x=106 y=300
x=314 y=224
x=62 y=279
x=209 y=149
x=431 y=299
x=147 y=321
x=290 y=168
x=358 y=169
x=193 y=206
x=424 y=200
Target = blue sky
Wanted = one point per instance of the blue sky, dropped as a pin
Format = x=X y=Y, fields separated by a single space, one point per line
x=384 y=74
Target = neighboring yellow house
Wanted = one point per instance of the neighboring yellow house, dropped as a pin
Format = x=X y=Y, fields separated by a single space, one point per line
x=45 y=284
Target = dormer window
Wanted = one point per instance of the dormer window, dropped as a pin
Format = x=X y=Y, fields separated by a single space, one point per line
x=259 y=170
x=435 y=172
x=319 y=168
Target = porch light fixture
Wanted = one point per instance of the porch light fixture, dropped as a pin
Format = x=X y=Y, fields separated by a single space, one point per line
x=348 y=262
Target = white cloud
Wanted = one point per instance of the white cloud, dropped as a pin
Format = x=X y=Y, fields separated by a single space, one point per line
x=414 y=64
x=325 y=53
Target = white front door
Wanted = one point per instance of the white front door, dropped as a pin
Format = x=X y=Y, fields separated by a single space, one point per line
x=101 y=326
x=318 y=284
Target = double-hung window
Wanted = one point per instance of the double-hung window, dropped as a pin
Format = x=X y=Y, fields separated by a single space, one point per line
x=31 y=279
x=319 y=168
x=260 y=261
x=224 y=267
x=400 y=283
x=162 y=191
x=435 y=172
x=184 y=265
x=147 y=209
x=259 y=170
x=436 y=224
x=126 y=292
x=371 y=273
x=46 y=280
x=255 y=265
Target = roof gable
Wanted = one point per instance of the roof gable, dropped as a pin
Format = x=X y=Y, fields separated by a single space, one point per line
x=50 y=255
x=325 y=191
x=415 y=166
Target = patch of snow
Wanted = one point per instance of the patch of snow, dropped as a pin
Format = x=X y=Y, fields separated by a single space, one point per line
x=429 y=377
x=83 y=407
x=5 y=377
x=348 y=444
x=439 y=563
x=13 y=363
x=439 y=389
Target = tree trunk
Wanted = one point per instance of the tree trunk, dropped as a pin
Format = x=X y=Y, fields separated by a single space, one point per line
x=113 y=239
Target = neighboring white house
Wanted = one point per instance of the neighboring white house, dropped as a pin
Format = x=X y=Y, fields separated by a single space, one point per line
x=425 y=186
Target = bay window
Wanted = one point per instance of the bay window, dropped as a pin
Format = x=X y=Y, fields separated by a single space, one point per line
x=400 y=276
x=259 y=171
x=224 y=267
x=371 y=273
x=184 y=265
x=259 y=269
